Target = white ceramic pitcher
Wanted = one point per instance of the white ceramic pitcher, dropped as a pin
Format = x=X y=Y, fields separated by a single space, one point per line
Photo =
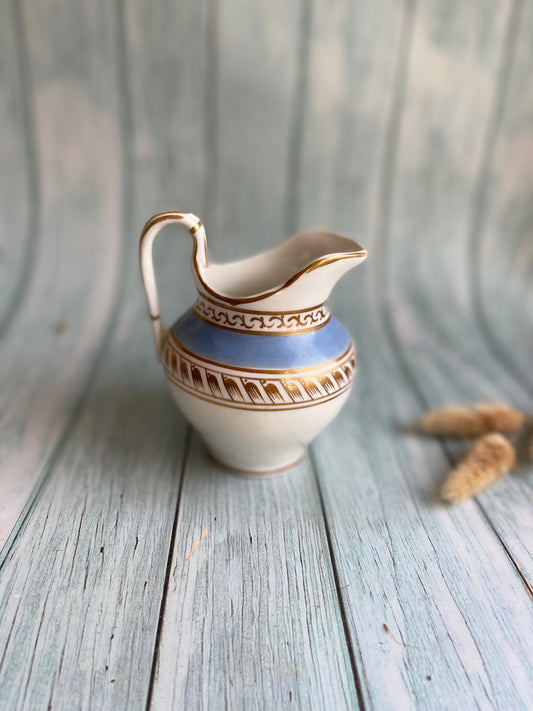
x=259 y=365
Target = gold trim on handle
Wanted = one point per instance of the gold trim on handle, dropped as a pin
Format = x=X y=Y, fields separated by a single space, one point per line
x=196 y=227
x=148 y=234
x=323 y=261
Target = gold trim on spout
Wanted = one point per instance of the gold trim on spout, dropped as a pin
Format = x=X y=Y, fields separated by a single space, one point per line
x=322 y=262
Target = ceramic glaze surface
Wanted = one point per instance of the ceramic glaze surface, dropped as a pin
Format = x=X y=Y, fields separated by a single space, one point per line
x=258 y=374
x=301 y=350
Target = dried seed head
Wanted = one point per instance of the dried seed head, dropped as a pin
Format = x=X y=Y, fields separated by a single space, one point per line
x=499 y=417
x=457 y=421
x=450 y=422
x=489 y=458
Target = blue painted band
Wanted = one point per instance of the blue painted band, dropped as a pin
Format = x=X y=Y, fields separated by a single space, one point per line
x=246 y=350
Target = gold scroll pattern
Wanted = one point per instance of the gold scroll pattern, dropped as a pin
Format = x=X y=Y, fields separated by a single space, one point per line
x=282 y=323
x=253 y=390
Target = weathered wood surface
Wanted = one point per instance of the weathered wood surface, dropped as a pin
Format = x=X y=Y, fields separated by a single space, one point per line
x=60 y=312
x=134 y=572
x=252 y=617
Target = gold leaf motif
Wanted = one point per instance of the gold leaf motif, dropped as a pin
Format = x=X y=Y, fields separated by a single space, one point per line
x=197 y=378
x=232 y=388
x=327 y=384
x=292 y=390
x=253 y=391
x=272 y=391
x=283 y=323
x=188 y=372
x=311 y=388
x=339 y=377
x=183 y=368
x=213 y=383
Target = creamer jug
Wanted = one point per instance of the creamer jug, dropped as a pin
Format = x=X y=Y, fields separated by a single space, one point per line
x=258 y=365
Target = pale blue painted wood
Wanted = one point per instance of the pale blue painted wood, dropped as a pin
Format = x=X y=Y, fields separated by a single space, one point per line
x=502 y=247
x=379 y=121
x=44 y=370
x=256 y=77
x=437 y=324
x=439 y=579
x=251 y=618
x=81 y=584
x=167 y=59
x=127 y=417
x=18 y=186
x=80 y=592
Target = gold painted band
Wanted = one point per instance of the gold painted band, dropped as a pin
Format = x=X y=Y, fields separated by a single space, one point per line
x=297 y=332
x=261 y=312
x=196 y=227
x=156 y=219
x=267 y=371
x=155 y=318
x=250 y=406
x=259 y=297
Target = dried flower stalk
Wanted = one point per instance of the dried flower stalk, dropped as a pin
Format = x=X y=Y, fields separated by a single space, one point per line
x=490 y=457
x=457 y=421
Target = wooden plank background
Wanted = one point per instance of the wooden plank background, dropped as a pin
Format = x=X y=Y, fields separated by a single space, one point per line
x=134 y=573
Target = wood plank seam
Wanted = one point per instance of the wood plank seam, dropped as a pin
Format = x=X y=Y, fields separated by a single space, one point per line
x=32 y=173
x=127 y=212
x=528 y=584
x=211 y=110
x=336 y=577
x=383 y=228
x=299 y=103
x=170 y=557
x=479 y=211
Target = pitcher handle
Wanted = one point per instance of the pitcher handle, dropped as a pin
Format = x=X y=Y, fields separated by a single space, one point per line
x=151 y=229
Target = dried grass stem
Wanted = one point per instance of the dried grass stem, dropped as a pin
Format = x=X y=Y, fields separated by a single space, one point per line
x=489 y=458
x=458 y=421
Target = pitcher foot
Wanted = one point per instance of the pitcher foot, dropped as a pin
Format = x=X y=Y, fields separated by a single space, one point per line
x=259 y=473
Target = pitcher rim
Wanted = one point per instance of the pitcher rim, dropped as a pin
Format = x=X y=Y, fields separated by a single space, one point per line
x=315 y=264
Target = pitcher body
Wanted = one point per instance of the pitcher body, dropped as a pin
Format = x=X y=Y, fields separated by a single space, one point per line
x=258 y=366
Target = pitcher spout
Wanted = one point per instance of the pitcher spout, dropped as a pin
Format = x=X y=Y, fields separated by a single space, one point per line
x=298 y=274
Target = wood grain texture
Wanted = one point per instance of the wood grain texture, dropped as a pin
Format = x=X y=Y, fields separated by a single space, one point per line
x=168 y=79
x=254 y=96
x=90 y=562
x=18 y=182
x=454 y=361
x=137 y=574
x=441 y=574
x=47 y=355
x=502 y=246
x=80 y=593
x=251 y=618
